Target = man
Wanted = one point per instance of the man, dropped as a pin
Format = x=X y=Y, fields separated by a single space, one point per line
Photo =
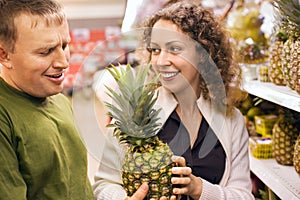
x=41 y=153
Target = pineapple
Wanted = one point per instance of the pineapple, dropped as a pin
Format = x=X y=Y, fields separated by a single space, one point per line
x=296 y=159
x=275 y=70
x=284 y=134
x=291 y=10
x=276 y=49
x=286 y=67
x=295 y=65
x=135 y=123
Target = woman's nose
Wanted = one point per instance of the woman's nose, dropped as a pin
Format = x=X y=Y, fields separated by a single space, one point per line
x=163 y=58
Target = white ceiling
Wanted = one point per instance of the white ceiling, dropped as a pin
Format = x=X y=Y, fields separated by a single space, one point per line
x=91 y=9
x=93 y=1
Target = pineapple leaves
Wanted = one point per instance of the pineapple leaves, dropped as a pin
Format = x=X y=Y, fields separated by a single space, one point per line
x=135 y=119
x=290 y=9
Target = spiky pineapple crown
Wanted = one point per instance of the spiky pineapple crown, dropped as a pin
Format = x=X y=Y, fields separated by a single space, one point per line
x=134 y=118
x=289 y=11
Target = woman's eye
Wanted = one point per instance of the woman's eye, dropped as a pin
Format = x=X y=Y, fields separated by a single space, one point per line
x=153 y=50
x=175 y=49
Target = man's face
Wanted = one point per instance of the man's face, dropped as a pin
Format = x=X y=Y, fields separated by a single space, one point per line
x=41 y=57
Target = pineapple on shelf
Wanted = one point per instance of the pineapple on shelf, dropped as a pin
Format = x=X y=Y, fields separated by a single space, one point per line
x=286 y=66
x=296 y=158
x=291 y=55
x=135 y=123
x=275 y=52
x=284 y=135
x=295 y=65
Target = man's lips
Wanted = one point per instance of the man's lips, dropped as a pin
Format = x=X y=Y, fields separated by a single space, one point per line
x=55 y=75
x=58 y=78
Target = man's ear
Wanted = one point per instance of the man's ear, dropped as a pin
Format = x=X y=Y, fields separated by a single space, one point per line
x=4 y=57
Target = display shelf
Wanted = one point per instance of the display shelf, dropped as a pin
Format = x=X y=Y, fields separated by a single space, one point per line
x=282 y=180
x=281 y=95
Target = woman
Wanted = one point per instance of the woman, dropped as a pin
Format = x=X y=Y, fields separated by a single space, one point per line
x=199 y=89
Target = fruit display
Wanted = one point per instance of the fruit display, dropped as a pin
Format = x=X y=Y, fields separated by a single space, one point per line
x=261 y=148
x=251 y=53
x=135 y=124
x=264 y=124
x=275 y=52
x=263 y=73
x=284 y=135
x=296 y=158
x=286 y=66
x=283 y=71
x=288 y=21
x=244 y=24
x=252 y=107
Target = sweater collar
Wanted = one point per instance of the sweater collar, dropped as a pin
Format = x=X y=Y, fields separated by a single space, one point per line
x=167 y=102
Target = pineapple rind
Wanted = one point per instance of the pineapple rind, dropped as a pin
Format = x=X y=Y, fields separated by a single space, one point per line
x=290 y=10
x=296 y=157
x=286 y=65
x=275 y=71
x=295 y=65
x=144 y=170
x=284 y=135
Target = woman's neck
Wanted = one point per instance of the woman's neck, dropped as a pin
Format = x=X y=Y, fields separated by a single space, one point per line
x=187 y=100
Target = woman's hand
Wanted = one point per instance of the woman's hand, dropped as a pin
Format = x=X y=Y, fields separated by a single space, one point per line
x=140 y=194
x=190 y=184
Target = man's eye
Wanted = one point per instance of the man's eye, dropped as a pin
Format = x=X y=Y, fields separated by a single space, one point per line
x=64 y=46
x=46 y=52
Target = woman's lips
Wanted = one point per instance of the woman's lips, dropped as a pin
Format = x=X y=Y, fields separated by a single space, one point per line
x=169 y=75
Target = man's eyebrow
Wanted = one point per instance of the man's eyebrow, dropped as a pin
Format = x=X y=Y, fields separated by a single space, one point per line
x=46 y=46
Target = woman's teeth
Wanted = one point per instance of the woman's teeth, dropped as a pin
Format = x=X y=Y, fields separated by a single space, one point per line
x=169 y=75
x=55 y=76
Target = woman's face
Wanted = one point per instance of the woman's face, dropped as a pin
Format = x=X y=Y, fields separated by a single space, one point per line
x=174 y=56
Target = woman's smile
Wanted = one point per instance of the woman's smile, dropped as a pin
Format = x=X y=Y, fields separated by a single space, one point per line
x=169 y=75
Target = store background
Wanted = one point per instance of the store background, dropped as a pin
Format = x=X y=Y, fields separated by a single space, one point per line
x=96 y=23
x=91 y=15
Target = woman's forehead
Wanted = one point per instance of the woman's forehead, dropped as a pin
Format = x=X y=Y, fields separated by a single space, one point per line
x=168 y=31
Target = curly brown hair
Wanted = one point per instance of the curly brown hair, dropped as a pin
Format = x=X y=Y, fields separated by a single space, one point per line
x=220 y=75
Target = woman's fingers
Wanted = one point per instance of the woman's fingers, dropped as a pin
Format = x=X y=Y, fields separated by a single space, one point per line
x=181 y=180
x=141 y=193
x=179 y=160
x=184 y=171
x=180 y=191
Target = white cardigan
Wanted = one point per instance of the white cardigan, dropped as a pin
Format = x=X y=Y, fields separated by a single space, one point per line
x=231 y=132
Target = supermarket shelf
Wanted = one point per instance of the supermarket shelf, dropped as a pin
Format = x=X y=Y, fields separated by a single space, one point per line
x=282 y=180
x=281 y=95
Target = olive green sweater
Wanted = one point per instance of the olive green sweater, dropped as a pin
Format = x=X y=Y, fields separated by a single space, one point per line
x=41 y=153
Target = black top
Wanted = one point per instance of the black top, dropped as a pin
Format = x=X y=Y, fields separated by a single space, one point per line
x=206 y=158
